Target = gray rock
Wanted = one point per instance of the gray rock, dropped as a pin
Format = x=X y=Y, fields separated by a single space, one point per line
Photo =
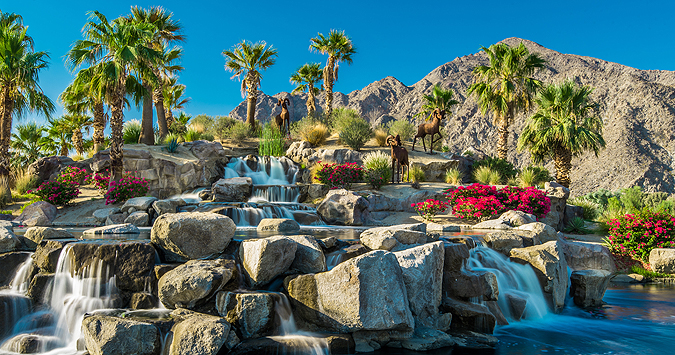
x=350 y=297
x=386 y=238
x=504 y=241
x=37 y=234
x=126 y=228
x=106 y=335
x=8 y=241
x=469 y=316
x=138 y=218
x=630 y=278
x=589 y=286
x=117 y=218
x=543 y=232
x=344 y=207
x=550 y=266
x=194 y=282
x=39 y=213
x=192 y=235
x=425 y=339
x=167 y=206
x=9 y=225
x=102 y=215
x=517 y=218
x=316 y=191
x=252 y=313
x=10 y=263
x=39 y=288
x=558 y=195
x=588 y=256
x=31 y=343
x=138 y=204
x=493 y=224
x=200 y=334
x=309 y=257
x=422 y=269
x=278 y=224
x=435 y=227
x=237 y=189
x=662 y=260
x=264 y=259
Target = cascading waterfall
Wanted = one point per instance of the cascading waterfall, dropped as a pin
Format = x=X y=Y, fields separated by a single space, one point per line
x=21 y=279
x=515 y=281
x=306 y=342
x=73 y=294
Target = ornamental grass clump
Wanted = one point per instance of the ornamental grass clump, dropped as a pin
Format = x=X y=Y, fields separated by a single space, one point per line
x=429 y=208
x=486 y=175
x=378 y=161
x=57 y=193
x=339 y=176
x=453 y=176
x=482 y=202
x=636 y=234
x=125 y=188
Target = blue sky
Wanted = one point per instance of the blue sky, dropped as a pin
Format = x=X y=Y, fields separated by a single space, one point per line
x=404 y=39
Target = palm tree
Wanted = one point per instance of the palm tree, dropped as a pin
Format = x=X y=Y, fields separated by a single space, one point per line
x=173 y=98
x=440 y=100
x=167 y=31
x=339 y=48
x=248 y=60
x=305 y=78
x=75 y=123
x=505 y=86
x=20 y=91
x=26 y=143
x=58 y=137
x=117 y=46
x=565 y=124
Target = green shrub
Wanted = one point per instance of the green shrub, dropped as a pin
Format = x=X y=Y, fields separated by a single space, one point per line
x=271 y=141
x=239 y=131
x=539 y=174
x=131 y=131
x=653 y=199
x=600 y=197
x=631 y=198
x=417 y=174
x=201 y=123
x=221 y=126
x=378 y=161
x=591 y=210
x=342 y=117
x=636 y=234
x=402 y=128
x=505 y=169
x=453 y=176
x=666 y=206
x=355 y=132
x=487 y=176
x=527 y=178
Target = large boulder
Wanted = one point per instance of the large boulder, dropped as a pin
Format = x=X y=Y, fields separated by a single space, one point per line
x=588 y=256
x=589 y=286
x=44 y=168
x=168 y=206
x=387 y=238
x=504 y=241
x=309 y=257
x=252 y=313
x=8 y=241
x=343 y=207
x=435 y=170
x=264 y=259
x=278 y=225
x=37 y=234
x=493 y=224
x=192 y=235
x=106 y=335
x=138 y=204
x=662 y=260
x=558 y=195
x=517 y=218
x=238 y=189
x=550 y=266
x=469 y=316
x=194 y=282
x=200 y=334
x=422 y=269
x=367 y=292
x=38 y=213
x=541 y=231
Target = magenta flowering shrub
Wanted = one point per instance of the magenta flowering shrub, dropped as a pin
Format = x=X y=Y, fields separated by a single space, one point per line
x=429 y=208
x=57 y=193
x=635 y=235
x=481 y=202
x=73 y=174
x=375 y=179
x=127 y=187
x=100 y=181
x=339 y=175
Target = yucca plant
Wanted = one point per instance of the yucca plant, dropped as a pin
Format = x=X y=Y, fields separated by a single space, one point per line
x=417 y=174
x=486 y=176
x=453 y=176
x=577 y=226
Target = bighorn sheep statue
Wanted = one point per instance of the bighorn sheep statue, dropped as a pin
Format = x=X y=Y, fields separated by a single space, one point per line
x=431 y=128
x=399 y=158
x=283 y=120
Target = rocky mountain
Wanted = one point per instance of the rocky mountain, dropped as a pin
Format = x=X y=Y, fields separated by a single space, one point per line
x=637 y=107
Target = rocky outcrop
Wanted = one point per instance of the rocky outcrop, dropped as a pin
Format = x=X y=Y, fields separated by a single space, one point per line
x=558 y=195
x=37 y=234
x=264 y=259
x=350 y=297
x=588 y=256
x=342 y=207
x=540 y=231
x=588 y=287
x=504 y=241
x=309 y=257
x=192 y=235
x=47 y=254
x=550 y=266
x=194 y=282
x=662 y=260
x=107 y=335
x=387 y=238
x=237 y=189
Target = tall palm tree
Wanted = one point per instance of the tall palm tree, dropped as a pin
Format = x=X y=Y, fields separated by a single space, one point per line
x=306 y=77
x=440 y=100
x=58 y=137
x=117 y=46
x=565 y=124
x=167 y=31
x=173 y=98
x=505 y=86
x=339 y=48
x=247 y=60
x=20 y=91
x=75 y=123
x=26 y=143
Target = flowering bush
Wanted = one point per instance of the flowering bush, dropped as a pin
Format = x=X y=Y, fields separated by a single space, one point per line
x=100 y=181
x=375 y=178
x=429 y=208
x=635 y=235
x=339 y=176
x=482 y=202
x=73 y=174
x=127 y=187
x=57 y=193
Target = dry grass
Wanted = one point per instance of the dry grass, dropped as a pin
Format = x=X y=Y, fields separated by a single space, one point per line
x=381 y=137
x=315 y=135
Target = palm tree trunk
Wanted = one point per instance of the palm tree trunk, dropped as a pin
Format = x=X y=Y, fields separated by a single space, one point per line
x=116 y=122
x=158 y=98
x=77 y=141
x=502 y=144
x=311 y=105
x=6 y=107
x=169 y=119
x=250 y=105
x=563 y=166
x=99 y=126
x=328 y=85
x=147 y=133
x=64 y=150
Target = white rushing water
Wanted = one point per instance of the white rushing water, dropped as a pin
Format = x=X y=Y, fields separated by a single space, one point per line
x=307 y=342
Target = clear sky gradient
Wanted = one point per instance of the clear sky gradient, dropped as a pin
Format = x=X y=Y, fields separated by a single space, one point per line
x=404 y=39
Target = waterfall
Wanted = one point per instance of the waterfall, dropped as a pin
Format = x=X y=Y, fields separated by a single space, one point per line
x=289 y=333
x=517 y=284
x=21 y=279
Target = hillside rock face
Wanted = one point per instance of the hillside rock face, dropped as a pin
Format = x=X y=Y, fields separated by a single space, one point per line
x=636 y=107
